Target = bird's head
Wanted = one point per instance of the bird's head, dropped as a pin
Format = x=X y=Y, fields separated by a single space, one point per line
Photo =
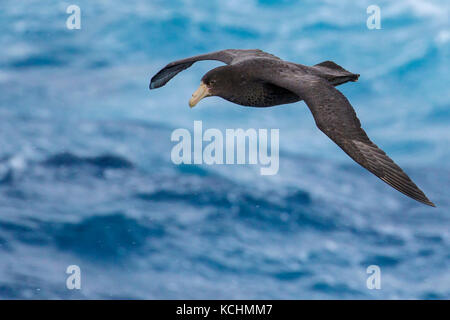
x=214 y=83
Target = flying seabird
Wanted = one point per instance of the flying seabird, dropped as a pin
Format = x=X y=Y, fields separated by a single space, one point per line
x=259 y=79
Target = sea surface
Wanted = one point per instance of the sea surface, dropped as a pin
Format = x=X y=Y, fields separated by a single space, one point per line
x=86 y=176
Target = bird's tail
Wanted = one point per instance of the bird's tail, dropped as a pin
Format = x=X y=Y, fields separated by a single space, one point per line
x=334 y=73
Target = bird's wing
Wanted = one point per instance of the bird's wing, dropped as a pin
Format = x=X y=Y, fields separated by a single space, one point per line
x=229 y=56
x=335 y=117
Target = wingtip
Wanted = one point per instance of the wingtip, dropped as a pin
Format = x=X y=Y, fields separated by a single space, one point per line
x=431 y=204
x=427 y=202
x=416 y=194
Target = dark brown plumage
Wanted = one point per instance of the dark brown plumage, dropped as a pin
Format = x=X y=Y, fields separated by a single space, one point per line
x=259 y=79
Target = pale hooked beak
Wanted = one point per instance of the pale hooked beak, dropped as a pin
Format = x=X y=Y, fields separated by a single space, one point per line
x=199 y=94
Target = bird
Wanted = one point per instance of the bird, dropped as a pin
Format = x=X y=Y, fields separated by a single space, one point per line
x=254 y=78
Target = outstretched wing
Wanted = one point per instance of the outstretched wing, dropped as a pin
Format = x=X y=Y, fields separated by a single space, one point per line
x=335 y=117
x=229 y=56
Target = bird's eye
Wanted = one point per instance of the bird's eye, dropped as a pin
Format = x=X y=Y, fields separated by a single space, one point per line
x=212 y=81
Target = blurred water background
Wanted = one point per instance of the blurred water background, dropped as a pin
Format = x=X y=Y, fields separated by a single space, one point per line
x=86 y=176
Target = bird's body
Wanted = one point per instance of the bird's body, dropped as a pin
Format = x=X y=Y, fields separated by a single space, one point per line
x=258 y=79
x=246 y=89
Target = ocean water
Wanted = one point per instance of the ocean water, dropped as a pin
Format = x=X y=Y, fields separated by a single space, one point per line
x=86 y=177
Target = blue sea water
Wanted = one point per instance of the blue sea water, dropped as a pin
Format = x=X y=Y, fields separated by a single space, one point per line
x=86 y=177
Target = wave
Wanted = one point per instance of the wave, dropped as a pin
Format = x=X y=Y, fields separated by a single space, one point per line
x=98 y=237
x=107 y=161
